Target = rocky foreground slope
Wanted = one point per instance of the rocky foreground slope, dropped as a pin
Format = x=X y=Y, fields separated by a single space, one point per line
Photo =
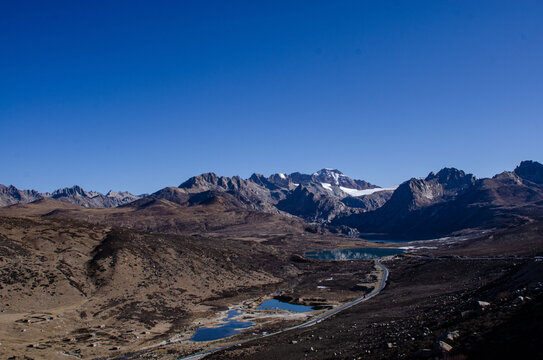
x=69 y=284
x=438 y=307
x=72 y=288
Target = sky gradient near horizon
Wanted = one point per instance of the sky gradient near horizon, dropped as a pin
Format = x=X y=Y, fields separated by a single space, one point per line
x=139 y=95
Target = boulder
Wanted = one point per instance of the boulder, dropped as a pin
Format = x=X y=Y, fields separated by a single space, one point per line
x=451 y=335
x=443 y=346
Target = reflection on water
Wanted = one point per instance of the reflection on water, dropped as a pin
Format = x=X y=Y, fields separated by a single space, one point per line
x=353 y=254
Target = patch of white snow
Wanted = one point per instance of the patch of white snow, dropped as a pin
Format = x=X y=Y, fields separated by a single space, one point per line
x=354 y=192
x=327 y=186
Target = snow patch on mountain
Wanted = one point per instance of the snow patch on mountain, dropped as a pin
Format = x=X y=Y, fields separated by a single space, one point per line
x=327 y=186
x=354 y=192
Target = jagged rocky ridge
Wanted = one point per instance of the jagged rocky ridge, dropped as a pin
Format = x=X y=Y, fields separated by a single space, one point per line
x=10 y=195
x=316 y=198
x=452 y=200
x=440 y=204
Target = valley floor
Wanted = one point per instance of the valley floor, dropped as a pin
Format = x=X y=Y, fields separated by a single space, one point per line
x=462 y=302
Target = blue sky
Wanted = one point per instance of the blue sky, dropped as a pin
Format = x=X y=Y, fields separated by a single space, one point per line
x=135 y=95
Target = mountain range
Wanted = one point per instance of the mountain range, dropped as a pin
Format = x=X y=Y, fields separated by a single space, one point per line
x=326 y=193
x=452 y=200
x=10 y=195
x=440 y=204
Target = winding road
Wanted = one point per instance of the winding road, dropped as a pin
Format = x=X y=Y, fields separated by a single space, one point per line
x=312 y=322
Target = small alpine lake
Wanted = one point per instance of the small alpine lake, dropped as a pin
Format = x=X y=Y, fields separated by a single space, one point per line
x=229 y=328
x=353 y=254
x=273 y=304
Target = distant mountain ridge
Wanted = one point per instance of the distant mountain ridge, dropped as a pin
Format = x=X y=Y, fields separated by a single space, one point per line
x=10 y=195
x=324 y=191
x=307 y=196
x=440 y=204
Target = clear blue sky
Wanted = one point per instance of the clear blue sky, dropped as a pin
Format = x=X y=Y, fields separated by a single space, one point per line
x=135 y=95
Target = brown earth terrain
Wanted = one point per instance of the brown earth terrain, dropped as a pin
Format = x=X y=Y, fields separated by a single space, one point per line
x=455 y=306
x=137 y=283
x=79 y=289
x=215 y=219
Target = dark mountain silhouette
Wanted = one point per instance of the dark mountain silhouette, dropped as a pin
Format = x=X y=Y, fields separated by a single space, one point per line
x=451 y=201
x=531 y=171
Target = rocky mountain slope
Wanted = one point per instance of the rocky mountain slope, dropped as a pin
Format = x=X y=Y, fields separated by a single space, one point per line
x=104 y=287
x=315 y=198
x=451 y=201
x=10 y=195
x=530 y=171
x=76 y=195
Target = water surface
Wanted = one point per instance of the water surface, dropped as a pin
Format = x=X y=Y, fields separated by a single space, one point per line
x=353 y=254
x=273 y=304
x=229 y=328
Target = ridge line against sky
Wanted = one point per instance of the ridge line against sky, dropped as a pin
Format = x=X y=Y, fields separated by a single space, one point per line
x=107 y=189
x=140 y=95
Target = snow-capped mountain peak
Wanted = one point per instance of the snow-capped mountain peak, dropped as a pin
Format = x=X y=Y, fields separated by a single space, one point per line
x=328 y=175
